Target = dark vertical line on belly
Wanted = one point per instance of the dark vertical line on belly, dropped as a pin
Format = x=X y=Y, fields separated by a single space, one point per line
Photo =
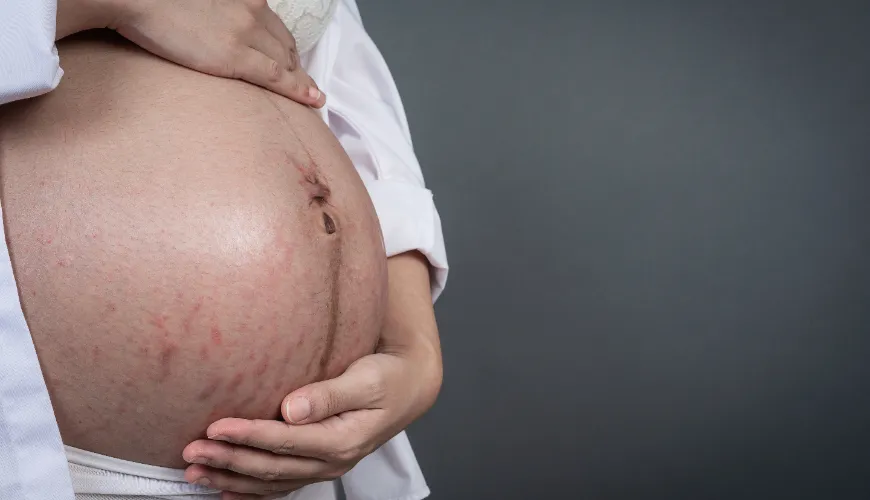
x=334 y=309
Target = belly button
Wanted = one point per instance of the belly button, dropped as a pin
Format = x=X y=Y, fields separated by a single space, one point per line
x=328 y=223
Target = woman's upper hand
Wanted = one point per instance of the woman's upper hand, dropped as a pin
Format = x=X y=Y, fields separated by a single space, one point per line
x=241 y=39
x=331 y=425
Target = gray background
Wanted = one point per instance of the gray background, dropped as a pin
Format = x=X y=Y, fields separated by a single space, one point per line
x=657 y=222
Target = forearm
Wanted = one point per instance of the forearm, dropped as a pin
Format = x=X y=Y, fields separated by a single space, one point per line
x=410 y=328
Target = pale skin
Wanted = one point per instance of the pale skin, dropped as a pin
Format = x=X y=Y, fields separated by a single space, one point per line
x=378 y=395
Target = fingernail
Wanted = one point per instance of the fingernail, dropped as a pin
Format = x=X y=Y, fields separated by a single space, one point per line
x=314 y=93
x=203 y=481
x=218 y=437
x=196 y=460
x=298 y=409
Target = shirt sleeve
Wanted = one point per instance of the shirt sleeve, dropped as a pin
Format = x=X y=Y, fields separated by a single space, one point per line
x=365 y=112
x=29 y=63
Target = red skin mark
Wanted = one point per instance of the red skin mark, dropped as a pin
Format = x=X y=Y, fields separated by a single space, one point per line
x=216 y=336
x=288 y=354
x=263 y=366
x=94 y=235
x=144 y=350
x=210 y=389
x=64 y=262
x=44 y=240
x=235 y=382
x=191 y=315
x=42 y=183
x=96 y=352
x=203 y=353
x=33 y=293
x=168 y=350
x=122 y=407
x=251 y=357
x=128 y=384
x=110 y=308
x=159 y=321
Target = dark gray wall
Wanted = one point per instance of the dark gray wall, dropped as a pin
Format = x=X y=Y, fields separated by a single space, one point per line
x=658 y=221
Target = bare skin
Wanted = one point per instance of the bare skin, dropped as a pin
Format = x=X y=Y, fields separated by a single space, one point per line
x=186 y=247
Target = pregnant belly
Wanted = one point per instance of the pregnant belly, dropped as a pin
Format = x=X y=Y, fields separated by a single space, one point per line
x=186 y=248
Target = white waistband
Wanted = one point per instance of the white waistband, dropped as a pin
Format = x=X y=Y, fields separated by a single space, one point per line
x=99 y=477
x=95 y=474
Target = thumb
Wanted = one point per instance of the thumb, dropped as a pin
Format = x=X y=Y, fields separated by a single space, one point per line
x=356 y=389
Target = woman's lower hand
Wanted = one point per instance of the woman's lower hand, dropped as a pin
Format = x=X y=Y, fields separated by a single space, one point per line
x=242 y=39
x=331 y=425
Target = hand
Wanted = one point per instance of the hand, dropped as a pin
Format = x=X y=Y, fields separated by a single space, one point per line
x=241 y=39
x=332 y=425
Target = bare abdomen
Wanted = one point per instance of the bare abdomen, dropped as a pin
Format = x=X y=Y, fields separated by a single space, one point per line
x=176 y=260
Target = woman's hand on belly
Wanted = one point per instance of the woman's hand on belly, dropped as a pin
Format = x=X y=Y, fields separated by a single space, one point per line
x=241 y=39
x=335 y=423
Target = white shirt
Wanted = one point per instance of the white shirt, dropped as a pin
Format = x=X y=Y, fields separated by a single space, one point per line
x=365 y=113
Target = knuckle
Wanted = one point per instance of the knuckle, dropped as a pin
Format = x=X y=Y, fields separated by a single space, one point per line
x=346 y=455
x=273 y=71
x=271 y=475
x=285 y=448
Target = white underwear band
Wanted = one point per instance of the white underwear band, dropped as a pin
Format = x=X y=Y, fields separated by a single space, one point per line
x=98 y=477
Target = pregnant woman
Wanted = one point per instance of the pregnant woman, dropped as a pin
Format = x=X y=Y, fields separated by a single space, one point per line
x=190 y=249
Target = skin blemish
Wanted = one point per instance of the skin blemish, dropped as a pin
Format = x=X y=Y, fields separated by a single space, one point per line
x=288 y=354
x=203 y=353
x=168 y=350
x=210 y=389
x=64 y=262
x=216 y=336
x=44 y=240
x=263 y=366
x=159 y=321
x=251 y=357
x=185 y=325
x=95 y=352
x=235 y=382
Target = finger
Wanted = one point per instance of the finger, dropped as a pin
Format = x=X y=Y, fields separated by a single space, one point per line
x=359 y=387
x=334 y=439
x=259 y=69
x=254 y=462
x=237 y=483
x=278 y=29
x=263 y=41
